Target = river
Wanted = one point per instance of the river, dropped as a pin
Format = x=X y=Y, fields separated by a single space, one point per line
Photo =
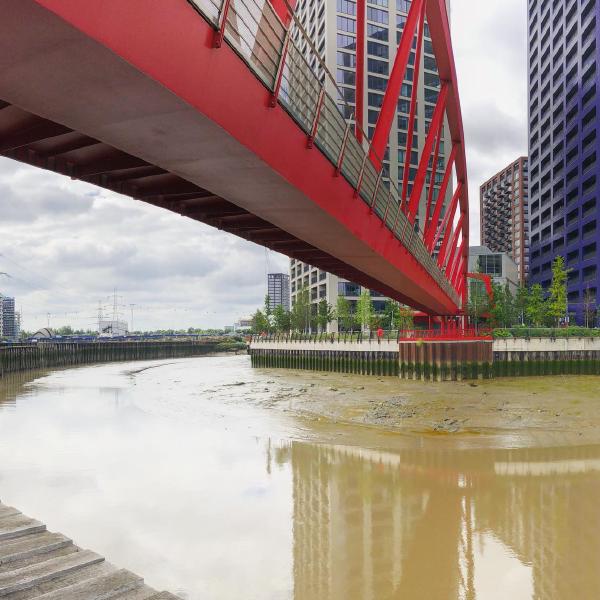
x=217 y=481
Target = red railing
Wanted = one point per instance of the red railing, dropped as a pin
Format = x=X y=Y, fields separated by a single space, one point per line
x=450 y=334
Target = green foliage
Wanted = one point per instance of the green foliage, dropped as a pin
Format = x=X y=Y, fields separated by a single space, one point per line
x=479 y=303
x=364 y=309
x=260 y=323
x=406 y=318
x=301 y=312
x=391 y=314
x=521 y=300
x=268 y=310
x=557 y=299
x=503 y=310
x=325 y=314
x=535 y=310
x=281 y=319
x=502 y=333
x=344 y=314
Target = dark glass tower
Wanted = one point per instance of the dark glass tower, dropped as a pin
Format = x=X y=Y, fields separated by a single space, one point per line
x=563 y=145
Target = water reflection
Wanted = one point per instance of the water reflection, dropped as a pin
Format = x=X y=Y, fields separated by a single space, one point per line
x=194 y=475
x=436 y=524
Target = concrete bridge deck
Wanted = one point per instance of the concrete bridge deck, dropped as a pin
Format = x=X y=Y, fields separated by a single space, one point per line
x=41 y=565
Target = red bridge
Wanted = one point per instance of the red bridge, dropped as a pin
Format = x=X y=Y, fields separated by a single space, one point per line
x=209 y=108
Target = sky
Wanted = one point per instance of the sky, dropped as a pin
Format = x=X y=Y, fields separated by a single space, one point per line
x=67 y=246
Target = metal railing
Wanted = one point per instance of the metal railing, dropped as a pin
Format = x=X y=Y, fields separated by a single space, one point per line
x=388 y=335
x=279 y=57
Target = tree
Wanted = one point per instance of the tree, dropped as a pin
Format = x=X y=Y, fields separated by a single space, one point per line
x=557 y=300
x=325 y=314
x=268 y=309
x=590 y=310
x=479 y=303
x=300 y=315
x=536 y=306
x=281 y=319
x=260 y=323
x=344 y=314
x=406 y=318
x=364 y=309
x=391 y=314
x=503 y=309
x=521 y=300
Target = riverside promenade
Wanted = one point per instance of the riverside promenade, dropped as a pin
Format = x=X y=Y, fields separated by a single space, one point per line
x=36 y=564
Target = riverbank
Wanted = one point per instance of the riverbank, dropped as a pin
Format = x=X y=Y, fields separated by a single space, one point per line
x=519 y=408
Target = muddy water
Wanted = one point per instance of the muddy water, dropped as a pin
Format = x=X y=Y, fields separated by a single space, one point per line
x=218 y=481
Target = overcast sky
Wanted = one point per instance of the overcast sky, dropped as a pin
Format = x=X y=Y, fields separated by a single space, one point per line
x=67 y=245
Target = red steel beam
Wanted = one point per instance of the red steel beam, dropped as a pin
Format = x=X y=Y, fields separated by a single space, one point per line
x=413 y=105
x=448 y=219
x=438 y=116
x=360 y=67
x=390 y=100
x=449 y=259
x=436 y=154
x=432 y=226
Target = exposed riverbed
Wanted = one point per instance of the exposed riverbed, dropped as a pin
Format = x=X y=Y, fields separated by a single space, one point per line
x=218 y=481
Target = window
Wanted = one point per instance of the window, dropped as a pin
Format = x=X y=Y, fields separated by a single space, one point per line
x=346 y=24
x=345 y=6
x=377 y=83
x=377 y=15
x=375 y=49
x=378 y=66
x=346 y=60
x=346 y=42
x=377 y=32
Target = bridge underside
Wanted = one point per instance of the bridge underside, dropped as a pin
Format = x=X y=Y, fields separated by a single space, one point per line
x=31 y=139
x=132 y=97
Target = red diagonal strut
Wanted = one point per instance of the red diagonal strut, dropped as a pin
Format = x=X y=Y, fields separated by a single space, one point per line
x=390 y=100
x=438 y=116
x=432 y=225
x=446 y=225
x=413 y=106
x=451 y=253
x=436 y=154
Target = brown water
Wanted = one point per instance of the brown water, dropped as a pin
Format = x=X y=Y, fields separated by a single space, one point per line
x=200 y=475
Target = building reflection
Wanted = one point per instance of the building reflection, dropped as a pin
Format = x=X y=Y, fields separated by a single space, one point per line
x=12 y=385
x=415 y=524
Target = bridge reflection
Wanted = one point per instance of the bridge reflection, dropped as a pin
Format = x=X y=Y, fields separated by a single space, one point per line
x=437 y=523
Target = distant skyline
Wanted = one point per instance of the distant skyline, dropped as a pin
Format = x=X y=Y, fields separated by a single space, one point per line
x=66 y=245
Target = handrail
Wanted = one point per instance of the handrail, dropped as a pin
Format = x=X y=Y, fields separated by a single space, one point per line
x=310 y=104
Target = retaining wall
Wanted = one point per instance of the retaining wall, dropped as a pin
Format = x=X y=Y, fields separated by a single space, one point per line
x=45 y=355
x=434 y=360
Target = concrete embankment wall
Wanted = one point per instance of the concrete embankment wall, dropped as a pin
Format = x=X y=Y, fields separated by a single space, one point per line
x=363 y=358
x=546 y=356
x=46 y=355
x=434 y=360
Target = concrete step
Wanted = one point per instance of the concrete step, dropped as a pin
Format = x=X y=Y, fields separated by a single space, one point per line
x=15 y=526
x=105 y=587
x=31 y=545
x=85 y=574
x=147 y=593
x=143 y=593
x=7 y=511
x=32 y=575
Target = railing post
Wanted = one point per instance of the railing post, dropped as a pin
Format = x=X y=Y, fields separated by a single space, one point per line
x=373 y=200
x=315 y=124
x=338 y=168
x=220 y=33
x=280 y=66
x=360 y=176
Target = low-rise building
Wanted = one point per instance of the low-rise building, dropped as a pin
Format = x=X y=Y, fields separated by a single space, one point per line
x=499 y=265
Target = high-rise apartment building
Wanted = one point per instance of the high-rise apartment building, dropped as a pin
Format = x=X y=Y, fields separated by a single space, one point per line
x=8 y=321
x=278 y=289
x=563 y=144
x=331 y=25
x=504 y=212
